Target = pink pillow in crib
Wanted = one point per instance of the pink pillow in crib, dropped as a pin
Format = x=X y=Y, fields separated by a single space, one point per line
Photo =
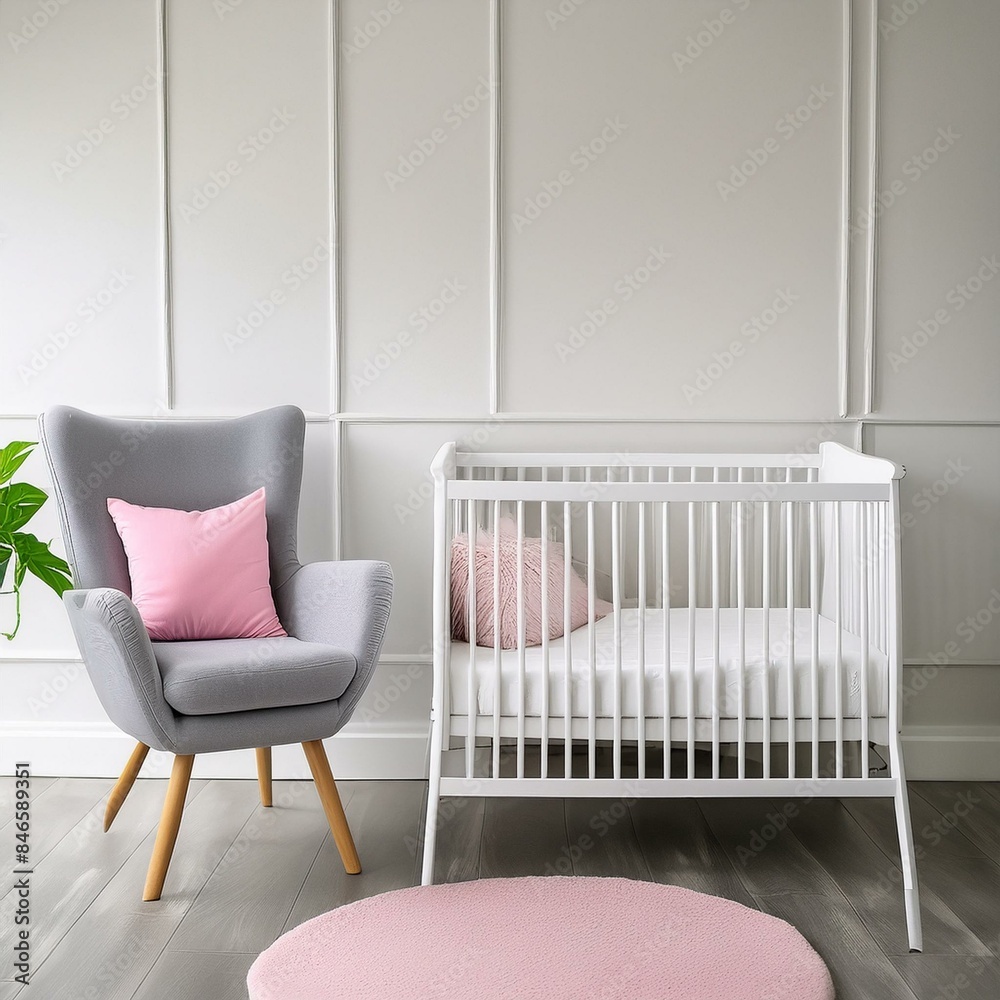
x=508 y=589
x=200 y=574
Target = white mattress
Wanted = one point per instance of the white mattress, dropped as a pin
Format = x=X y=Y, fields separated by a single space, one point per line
x=776 y=670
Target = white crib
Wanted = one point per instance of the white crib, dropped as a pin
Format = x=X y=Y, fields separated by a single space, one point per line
x=752 y=611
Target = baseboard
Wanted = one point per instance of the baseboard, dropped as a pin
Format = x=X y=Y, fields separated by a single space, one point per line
x=952 y=753
x=99 y=750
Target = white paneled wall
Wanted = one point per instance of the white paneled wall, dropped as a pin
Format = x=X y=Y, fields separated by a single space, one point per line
x=611 y=224
x=81 y=268
x=656 y=206
x=249 y=160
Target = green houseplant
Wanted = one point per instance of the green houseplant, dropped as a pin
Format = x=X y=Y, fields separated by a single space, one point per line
x=20 y=551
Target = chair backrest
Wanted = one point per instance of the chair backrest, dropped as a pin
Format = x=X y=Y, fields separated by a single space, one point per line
x=184 y=464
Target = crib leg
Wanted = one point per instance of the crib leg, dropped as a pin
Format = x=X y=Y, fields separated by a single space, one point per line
x=907 y=857
x=433 y=803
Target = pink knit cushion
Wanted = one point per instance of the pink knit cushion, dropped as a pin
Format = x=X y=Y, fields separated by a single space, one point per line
x=199 y=574
x=578 y=613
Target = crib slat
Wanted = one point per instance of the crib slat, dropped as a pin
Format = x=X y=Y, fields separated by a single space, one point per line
x=616 y=596
x=716 y=667
x=567 y=637
x=814 y=631
x=520 y=638
x=883 y=542
x=741 y=726
x=838 y=695
x=497 y=676
x=765 y=586
x=864 y=538
x=790 y=601
x=545 y=638
x=641 y=693
x=470 y=732
x=692 y=603
x=592 y=643
x=665 y=604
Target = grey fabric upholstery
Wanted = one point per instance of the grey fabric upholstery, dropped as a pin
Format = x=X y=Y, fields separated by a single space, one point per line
x=197 y=465
x=188 y=465
x=239 y=675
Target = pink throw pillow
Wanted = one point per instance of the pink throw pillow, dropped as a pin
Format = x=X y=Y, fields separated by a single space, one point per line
x=200 y=574
x=532 y=589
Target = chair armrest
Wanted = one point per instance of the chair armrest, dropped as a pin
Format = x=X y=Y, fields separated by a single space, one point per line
x=344 y=604
x=119 y=659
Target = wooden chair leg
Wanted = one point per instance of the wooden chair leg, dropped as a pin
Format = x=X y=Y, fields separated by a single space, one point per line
x=264 y=774
x=124 y=784
x=327 y=788
x=170 y=821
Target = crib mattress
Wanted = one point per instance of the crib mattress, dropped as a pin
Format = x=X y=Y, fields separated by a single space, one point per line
x=762 y=672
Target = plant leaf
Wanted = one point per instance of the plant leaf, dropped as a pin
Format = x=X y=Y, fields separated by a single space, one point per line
x=12 y=458
x=18 y=504
x=4 y=559
x=35 y=556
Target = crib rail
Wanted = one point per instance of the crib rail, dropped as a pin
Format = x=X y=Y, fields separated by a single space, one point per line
x=777 y=573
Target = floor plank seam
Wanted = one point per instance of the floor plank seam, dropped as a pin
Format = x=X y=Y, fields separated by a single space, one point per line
x=312 y=864
x=723 y=852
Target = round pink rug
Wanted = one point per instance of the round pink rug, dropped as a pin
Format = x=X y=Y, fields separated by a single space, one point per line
x=551 y=938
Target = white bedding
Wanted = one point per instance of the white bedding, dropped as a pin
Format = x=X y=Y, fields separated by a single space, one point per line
x=777 y=668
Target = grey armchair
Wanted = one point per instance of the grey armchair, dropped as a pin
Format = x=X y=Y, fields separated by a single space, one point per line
x=232 y=694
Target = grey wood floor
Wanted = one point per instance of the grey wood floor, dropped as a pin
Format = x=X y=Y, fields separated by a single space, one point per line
x=242 y=875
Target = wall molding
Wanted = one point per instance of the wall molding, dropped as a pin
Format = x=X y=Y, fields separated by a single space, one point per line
x=333 y=197
x=166 y=251
x=99 y=750
x=496 y=207
x=844 y=306
x=952 y=753
x=516 y=417
x=871 y=233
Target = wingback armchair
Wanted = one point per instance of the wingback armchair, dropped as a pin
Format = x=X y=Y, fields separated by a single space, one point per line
x=196 y=697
